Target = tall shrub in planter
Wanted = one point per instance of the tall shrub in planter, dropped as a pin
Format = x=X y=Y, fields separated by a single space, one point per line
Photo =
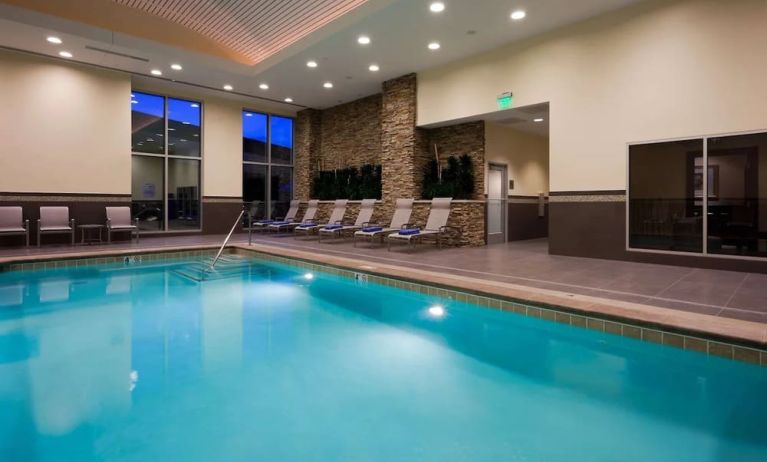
x=457 y=179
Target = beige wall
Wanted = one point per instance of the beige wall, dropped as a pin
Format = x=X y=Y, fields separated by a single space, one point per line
x=657 y=70
x=65 y=128
x=525 y=154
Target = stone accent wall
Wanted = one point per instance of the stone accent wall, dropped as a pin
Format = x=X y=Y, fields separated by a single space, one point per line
x=351 y=134
x=307 y=150
x=382 y=129
x=457 y=140
x=398 y=139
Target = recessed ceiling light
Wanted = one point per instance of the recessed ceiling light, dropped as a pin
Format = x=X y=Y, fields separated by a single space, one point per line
x=288 y=99
x=263 y=86
x=65 y=54
x=328 y=84
x=311 y=64
x=176 y=67
x=518 y=14
x=53 y=39
x=195 y=105
x=434 y=46
x=133 y=101
x=363 y=40
x=374 y=68
x=437 y=7
x=156 y=72
x=538 y=120
x=248 y=114
x=228 y=88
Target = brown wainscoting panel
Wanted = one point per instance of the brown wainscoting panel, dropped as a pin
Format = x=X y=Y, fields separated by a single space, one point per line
x=84 y=208
x=219 y=213
x=524 y=222
x=592 y=224
x=587 y=229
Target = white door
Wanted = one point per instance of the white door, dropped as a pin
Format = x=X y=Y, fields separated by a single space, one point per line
x=496 y=203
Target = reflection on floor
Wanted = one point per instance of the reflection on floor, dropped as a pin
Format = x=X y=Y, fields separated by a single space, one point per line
x=721 y=293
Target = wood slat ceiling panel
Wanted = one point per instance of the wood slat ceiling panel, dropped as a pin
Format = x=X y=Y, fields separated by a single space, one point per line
x=255 y=29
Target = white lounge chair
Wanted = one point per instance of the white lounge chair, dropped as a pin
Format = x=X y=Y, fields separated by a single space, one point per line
x=363 y=219
x=436 y=225
x=336 y=218
x=311 y=212
x=289 y=217
x=12 y=223
x=55 y=220
x=403 y=208
x=119 y=221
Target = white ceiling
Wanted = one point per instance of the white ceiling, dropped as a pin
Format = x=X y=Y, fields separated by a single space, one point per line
x=399 y=30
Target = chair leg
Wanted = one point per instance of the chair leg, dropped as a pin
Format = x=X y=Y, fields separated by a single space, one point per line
x=27 y=236
x=38 y=237
x=109 y=236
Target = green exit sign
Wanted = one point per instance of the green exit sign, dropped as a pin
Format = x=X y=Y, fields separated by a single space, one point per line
x=504 y=100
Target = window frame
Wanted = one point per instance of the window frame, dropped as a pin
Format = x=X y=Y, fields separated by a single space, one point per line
x=166 y=157
x=704 y=253
x=269 y=164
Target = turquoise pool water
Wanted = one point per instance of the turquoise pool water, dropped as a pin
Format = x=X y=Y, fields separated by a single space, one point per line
x=139 y=364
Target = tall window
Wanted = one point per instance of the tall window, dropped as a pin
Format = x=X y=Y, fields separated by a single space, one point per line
x=267 y=154
x=704 y=195
x=167 y=154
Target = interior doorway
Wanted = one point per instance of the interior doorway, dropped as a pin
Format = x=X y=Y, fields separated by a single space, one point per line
x=497 y=180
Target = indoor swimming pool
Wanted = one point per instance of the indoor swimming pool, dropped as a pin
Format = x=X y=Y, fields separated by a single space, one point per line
x=273 y=362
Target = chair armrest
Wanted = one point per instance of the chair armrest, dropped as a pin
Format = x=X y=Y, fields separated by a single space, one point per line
x=109 y=224
x=72 y=223
x=26 y=224
x=456 y=229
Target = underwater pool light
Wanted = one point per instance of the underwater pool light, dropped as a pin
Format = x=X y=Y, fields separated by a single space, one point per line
x=436 y=311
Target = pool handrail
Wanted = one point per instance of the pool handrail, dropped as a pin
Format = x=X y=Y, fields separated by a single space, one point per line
x=228 y=236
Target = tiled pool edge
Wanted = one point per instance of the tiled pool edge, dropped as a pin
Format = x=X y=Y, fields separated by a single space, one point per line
x=134 y=257
x=738 y=350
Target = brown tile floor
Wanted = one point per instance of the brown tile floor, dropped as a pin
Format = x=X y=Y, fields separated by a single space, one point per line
x=720 y=293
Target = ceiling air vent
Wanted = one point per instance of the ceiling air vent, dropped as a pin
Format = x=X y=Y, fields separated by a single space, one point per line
x=122 y=55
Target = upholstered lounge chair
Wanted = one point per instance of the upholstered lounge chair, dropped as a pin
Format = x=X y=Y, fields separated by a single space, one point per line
x=119 y=221
x=55 y=220
x=12 y=223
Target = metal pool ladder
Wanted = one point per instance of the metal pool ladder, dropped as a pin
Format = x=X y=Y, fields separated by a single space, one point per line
x=226 y=241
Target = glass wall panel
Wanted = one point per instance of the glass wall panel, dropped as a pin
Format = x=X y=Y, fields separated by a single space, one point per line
x=254 y=136
x=282 y=140
x=665 y=196
x=737 y=188
x=281 y=190
x=147 y=123
x=254 y=189
x=148 y=178
x=183 y=128
x=183 y=194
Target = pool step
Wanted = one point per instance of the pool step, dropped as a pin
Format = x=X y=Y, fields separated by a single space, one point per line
x=227 y=266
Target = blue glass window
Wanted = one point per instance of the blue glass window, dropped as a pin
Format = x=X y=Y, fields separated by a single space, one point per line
x=282 y=140
x=147 y=123
x=183 y=128
x=254 y=136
